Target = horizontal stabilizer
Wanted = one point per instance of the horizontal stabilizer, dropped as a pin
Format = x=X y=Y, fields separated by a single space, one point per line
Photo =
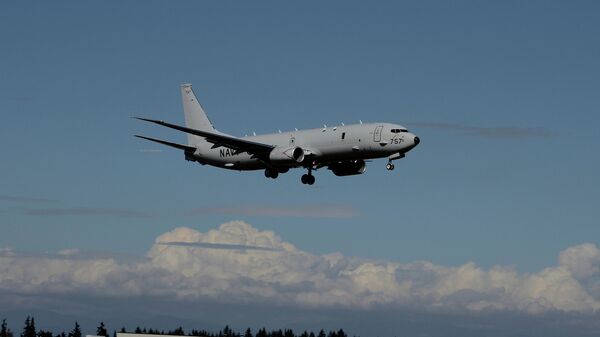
x=259 y=150
x=175 y=145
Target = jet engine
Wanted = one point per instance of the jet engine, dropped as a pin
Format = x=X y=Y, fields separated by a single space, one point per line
x=286 y=155
x=348 y=168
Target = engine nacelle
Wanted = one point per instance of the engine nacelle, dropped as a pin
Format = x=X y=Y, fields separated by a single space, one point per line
x=287 y=155
x=348 y=168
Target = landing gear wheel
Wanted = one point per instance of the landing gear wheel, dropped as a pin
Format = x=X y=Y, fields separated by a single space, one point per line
x=307 y=179
x=270 y=173
x=389 y=166
x=304 y=179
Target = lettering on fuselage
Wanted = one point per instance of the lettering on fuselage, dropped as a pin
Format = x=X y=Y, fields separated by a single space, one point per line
x=227 y=152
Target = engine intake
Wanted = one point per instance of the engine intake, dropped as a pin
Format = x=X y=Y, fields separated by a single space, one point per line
x=287 y=155
x=348 y=168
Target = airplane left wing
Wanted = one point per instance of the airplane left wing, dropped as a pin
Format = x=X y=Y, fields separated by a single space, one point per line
x=255 y=149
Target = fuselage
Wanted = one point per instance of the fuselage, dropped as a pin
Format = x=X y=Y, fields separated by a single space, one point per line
x=323 y=145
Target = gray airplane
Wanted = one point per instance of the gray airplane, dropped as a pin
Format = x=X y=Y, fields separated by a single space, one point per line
x=343 y=149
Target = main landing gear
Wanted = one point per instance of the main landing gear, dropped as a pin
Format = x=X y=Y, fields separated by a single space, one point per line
x=308 y=179
x=271 y=173
x=390 y=166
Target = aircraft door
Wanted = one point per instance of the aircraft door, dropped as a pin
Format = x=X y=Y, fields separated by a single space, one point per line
x=377 y=134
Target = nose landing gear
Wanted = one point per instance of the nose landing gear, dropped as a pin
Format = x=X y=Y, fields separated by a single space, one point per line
x=390 y=166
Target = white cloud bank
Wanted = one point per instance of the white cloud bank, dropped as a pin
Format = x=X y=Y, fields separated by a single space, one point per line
x=282 y=274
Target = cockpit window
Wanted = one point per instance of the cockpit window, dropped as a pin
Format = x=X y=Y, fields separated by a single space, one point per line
x=399 y=130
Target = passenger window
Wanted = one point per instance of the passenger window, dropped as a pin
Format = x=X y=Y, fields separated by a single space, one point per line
x=343 y=135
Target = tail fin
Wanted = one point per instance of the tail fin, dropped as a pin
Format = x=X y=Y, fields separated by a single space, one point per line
x=195 y=117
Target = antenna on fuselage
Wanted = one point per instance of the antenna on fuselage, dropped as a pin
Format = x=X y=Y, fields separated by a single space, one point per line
x=360 y=121
x=343 y=124
x=254 y=133
x=279 y=131
x=296 y=129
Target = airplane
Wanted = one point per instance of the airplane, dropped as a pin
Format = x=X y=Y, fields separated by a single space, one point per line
x=343 y=149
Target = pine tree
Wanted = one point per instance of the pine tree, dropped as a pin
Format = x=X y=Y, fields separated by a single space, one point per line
x=76 y=332
x=5 y=331
x=248 y=333
x=101 y=330
x=43 y=333
x=262 y=333
x=322 y=333
x=29 y=329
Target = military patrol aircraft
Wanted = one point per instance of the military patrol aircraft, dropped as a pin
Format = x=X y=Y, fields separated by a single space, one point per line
x=343 y=149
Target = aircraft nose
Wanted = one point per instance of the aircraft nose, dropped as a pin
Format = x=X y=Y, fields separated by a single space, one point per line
x=416 y=140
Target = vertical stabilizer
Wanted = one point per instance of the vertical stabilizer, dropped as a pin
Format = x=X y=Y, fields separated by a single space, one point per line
x=195 y=117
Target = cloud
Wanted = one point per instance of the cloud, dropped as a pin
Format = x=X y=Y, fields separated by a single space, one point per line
x=226 y=246
x=316 y=211
x=252 y=266
x=92 y=211
x=504 y=132
x=22 y=199
x=582 y=261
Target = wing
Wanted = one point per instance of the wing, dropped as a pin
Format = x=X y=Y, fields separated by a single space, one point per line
x=255 y=149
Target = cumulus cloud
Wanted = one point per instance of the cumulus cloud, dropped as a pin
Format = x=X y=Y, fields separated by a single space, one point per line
x=280 y=273
x=216 y=246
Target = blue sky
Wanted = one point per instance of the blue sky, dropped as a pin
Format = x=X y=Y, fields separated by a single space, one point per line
x=72 y=73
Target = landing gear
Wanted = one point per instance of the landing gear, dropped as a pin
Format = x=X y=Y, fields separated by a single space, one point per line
x=390 y=166
x=308 y=179
x=271 y=173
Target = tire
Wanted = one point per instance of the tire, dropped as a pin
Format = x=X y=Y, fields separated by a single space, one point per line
x=304 y=179
x=269 y=173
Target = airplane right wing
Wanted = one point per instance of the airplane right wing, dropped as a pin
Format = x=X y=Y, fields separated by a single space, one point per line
x=255 y=149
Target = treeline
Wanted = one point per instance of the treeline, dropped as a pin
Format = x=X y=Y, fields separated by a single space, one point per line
x=29 y=330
